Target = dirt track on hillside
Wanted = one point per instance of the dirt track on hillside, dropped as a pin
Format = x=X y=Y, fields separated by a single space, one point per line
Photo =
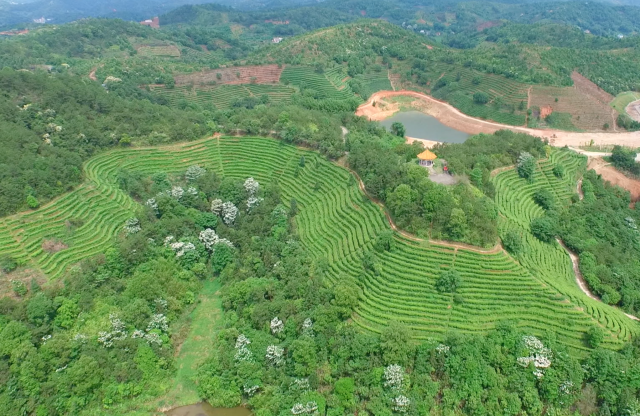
x=452 y=117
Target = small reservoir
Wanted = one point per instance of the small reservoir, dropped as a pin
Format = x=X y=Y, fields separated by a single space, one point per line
x=423 y=126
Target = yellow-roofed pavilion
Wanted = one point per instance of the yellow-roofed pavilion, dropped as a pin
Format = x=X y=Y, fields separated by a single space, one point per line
x=427 y=157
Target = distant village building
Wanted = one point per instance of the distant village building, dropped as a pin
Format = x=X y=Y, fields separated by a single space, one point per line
x=153 y=23
x=42 y=20
x=426 y=158
x=276 y=40
x=277 y=22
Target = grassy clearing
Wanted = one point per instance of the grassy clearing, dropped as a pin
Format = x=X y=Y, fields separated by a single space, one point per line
x=337 y=223
x=205 y=322
x=623 y=99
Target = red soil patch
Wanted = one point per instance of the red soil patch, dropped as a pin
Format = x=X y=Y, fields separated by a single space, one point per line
x=545 y=111
x=264 y=74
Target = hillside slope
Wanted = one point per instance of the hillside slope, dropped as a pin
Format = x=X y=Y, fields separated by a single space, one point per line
x=338 y=227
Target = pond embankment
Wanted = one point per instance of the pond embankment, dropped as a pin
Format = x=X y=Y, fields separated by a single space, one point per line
x=376 y=108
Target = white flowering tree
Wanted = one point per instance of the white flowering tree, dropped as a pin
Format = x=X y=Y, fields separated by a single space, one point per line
x=253 y=202
x=277 y=326
x=216 y=206
x=250 y=390
x=242 y=352
x=309 y=408
x=177 y=192
x=393 y=376
x=229 y=213
x=153 y=204
x=111 y=79
x=526 y=166
x=274 y=355
x=307 y=327
x=118 y=332
x=158 y=321
x=401 y=404
x=442 y=349
x=132 y=226
x=251 y=186
x=538 y=354
x=194 y=172
x=179 y=247
x=210 y=239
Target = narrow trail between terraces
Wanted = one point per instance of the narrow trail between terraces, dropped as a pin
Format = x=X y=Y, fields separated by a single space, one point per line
x=495 y=249
x=582 y=284
x=575 y=261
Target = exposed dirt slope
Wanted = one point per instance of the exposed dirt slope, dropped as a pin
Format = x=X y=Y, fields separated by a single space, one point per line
x=611 y=174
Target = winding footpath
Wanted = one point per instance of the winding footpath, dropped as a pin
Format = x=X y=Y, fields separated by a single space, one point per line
x=495 y=249
x=582 y=284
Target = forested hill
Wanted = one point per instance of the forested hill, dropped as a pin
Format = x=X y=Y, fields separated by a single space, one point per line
x=63 y=11
x=50 y=124
x=300 y=19
x=442 y=16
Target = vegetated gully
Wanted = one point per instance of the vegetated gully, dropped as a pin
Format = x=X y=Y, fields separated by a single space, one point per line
x=453 y=118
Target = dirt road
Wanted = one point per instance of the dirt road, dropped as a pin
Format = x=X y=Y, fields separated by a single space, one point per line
x=452 y=117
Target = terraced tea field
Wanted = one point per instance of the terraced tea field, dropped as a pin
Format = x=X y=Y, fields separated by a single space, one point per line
x=164 y=50
x=505 y=95
x=550 y=262
x=223 y=96
x=338 y=223
x=307 y=77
